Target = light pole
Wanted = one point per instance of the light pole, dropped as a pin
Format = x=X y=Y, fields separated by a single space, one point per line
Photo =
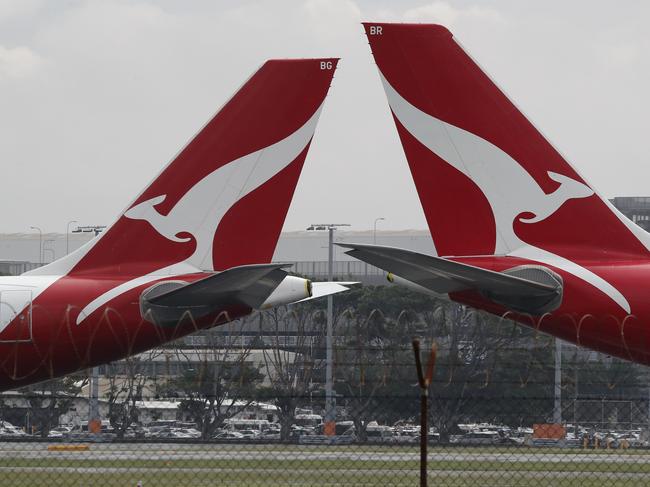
x=40 y=244
x=330 y=405
x=67 y=236
x=47 y=248
x=374 y=231
x=94 y=419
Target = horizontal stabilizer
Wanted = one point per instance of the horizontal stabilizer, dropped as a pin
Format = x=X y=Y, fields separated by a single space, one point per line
x=249 y=285
x=445 y=276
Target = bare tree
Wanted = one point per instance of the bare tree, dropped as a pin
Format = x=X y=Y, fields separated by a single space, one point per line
x=290 y=366
x=469 y=346
x=364 y=365
x=127 y=380
x=217 y=380
x=50 y=399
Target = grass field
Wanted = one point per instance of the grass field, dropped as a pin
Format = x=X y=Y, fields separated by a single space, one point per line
x=30 y=464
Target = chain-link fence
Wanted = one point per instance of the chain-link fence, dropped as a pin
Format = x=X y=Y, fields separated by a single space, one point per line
x=247 y=404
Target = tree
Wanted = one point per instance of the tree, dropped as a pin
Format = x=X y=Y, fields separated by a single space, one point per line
x=606 y=392
x=218 y=379
x=50 y=399
x=370 y=368
x=126 y=383
x=522 y=384
x=290 y=368
x=470 y=344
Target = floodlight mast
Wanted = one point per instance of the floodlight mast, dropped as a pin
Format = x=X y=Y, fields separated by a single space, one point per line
x=67 y=236
x=94 y=418
x=40 y=243
x=330 y=405
x=374 y=229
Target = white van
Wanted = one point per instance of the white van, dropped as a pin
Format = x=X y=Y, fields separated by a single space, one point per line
x=234 y=424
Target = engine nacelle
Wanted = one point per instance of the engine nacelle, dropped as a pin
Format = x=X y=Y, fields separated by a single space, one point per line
x=400 y=281
x=290 y=290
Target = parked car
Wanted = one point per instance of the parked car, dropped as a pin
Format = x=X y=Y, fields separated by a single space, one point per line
x=379 y=434
x=270 y=434
x=483 y=437
x=229 y=435
x=59 y=432
x=249 y=434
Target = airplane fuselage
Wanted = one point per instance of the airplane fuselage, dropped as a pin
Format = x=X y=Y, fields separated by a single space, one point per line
x=588 y=316
x=44 y=334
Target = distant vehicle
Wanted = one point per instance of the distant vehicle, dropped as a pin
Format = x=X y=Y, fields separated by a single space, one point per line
x=326 y=440
x=345 y=428
x=170 y=423
x=169 y=432
x=270 y=434
x=229 y=435
x=380 y=434
x=236 y=424
x=8 y=430
x=59 y=432
x=478 y=438
x=308 y=420
x=298 y=431
x=188 y=432
x=250 y=434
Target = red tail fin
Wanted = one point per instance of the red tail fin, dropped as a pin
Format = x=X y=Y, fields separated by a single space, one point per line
x=223 y=200
x=488 y=180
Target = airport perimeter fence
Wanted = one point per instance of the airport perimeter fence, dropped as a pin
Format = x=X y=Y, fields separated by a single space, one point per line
x=246 y=404
x=381 y=453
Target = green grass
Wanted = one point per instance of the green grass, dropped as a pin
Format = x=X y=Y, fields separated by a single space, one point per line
x=302 y=465
x=163 y=479
x=533 y=468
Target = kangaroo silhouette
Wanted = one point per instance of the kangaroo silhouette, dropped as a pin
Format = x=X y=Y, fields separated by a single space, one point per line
x=490 y=168
x=199 y=211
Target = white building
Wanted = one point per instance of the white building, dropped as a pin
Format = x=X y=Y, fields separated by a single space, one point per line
x=20 y=252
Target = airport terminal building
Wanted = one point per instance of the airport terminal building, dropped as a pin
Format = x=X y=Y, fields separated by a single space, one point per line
x=307 y=250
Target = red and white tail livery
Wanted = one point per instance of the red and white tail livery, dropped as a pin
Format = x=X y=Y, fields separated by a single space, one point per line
x=515 y=227
x=192 y=250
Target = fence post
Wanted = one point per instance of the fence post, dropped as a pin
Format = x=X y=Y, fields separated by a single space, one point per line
x=424 y=381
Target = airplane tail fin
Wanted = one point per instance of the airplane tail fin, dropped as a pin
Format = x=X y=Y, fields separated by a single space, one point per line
x=222 y=201
x=489 y=182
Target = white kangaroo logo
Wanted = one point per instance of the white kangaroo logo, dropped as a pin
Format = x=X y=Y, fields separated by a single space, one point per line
x=202 y=208
x=508 y=187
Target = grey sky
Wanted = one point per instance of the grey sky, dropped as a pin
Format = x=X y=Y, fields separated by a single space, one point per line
x=96 y=96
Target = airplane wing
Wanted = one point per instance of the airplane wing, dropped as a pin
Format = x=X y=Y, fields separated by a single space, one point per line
x=445 y=276
x=249 y=285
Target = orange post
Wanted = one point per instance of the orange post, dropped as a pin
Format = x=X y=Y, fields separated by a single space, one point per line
x=95 y=426
x=329 y=428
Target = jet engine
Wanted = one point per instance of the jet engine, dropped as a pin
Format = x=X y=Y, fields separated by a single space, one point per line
x=400 y=281
x=290 y=290
x=264 y=286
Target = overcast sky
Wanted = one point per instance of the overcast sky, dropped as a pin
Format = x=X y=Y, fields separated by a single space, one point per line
x=96 y=96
